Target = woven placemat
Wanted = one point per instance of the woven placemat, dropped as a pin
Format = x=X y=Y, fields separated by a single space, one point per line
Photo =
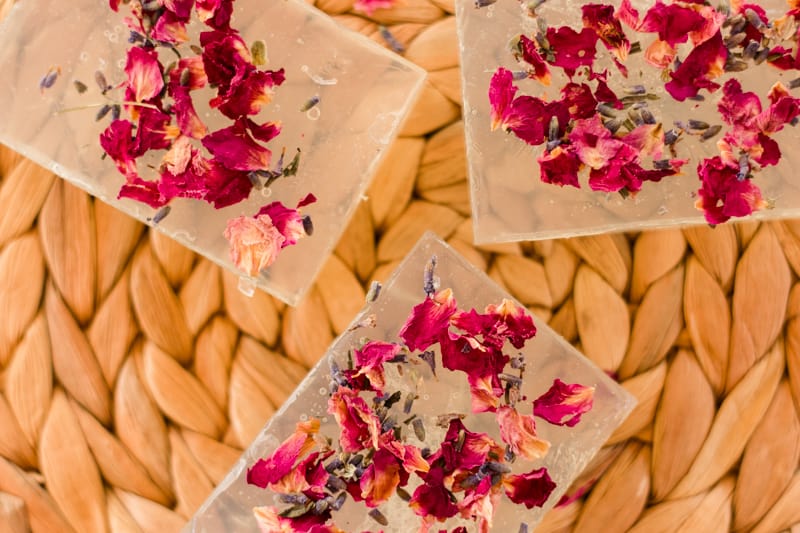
x=133 y=373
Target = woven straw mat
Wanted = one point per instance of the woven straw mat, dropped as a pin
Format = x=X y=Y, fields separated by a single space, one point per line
x=133 y=372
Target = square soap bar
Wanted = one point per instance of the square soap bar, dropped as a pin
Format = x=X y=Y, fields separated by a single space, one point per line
x=509 y=200
x=547 y=357
x=364 y=92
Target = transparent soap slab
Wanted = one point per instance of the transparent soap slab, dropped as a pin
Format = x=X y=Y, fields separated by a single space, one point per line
x=511 y=203
x=547 y=356
x=364 y=93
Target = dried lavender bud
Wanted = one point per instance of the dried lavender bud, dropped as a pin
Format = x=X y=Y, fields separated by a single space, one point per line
x=750 y=50
x=739 y=25
x=744 y=167
x=661 y=164
x=761 y=56
x=255 y=180
x=161 y=214
x=499 y=468
x=80 y=86
x=49 y=79
x=613 y=125
x=419 y=428
x=671 y=136
x=795 y=83
x=734 y=65
x=735 y=40
x=320 y=506
x=606 y=110
x=391 y=40
x=753 y=18
x=100 y=79
x=333 y=466
x=647 y=116
x=296 y=511
x=378 y=517
x=552 y=133
x=635 y=117
x=388 y=424
x=356 y=460
x=697 y=125
x=460 y=440
x=102 y=112
x=308 y=225
x=392 y=399
x=295 y=499
x=430 y=284
x=519 y=75
x=471 y=481
x=374 y=291
x=697 y=98
x=430 y=358
x=711 y=132
x=186 y=77
x=483 y=3
x=518 y=363
x=116 y=110
x=403 y=494
x=338 y=502
x=634 y=90
x=258 y=51
x=310 y=103
x=523 y=527
x=510 y=379
x=636 y=47
x=335 y=483
x=291 y=168
x=629 y=125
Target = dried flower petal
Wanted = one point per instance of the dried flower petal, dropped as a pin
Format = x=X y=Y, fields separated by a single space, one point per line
x=519 y=432
x=432 y=499
x=560 y=166
x=723 y=195
x=428 y=321
x=369 y=6
x=145 y=79
x=480 y=503
x=672 y=22
x=370 y=359
x=531 y=56
x=215 y=13
x=360 y=427
x=283 y=459
x=381 y=478
x=236 y=149
x=531 y=489
x=572 y=49
x=600 y=17
x=564 y=404
x=704 y=63
x=288 y=221
x=254 y=242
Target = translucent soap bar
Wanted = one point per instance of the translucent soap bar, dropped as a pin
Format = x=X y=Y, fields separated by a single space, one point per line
x=363 y=94
x=511 y=203
x=547 y=357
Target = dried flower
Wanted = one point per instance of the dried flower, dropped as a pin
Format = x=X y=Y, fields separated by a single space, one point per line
x=255 y=242
x=564 y=404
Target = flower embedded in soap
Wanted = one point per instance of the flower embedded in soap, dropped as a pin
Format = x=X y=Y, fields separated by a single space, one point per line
x=162 y=146
x=256 y=241
x=370 y=6
x=593 y=112
x=388 y=450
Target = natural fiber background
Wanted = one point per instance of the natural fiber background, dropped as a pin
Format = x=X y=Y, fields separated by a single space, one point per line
x=132 y=372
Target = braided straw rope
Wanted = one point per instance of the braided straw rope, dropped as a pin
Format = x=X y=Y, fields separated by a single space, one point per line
x=132 y=372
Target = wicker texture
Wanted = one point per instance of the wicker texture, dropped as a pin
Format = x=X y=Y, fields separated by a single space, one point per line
x=132 y=372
